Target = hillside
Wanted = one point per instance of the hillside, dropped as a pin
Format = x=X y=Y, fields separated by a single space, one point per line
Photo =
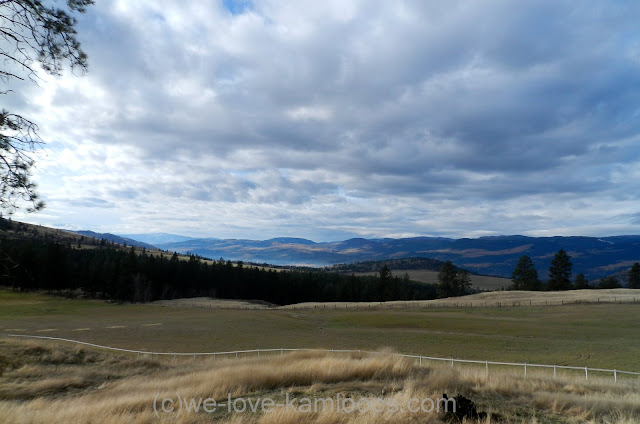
x=19 y=230
x=393 y=264
x=418 y=269
x=125 y=241
x=513 y=298
x=595 y=257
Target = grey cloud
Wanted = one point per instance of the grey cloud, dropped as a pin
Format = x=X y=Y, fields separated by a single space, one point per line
x=461 y=101
x=91 y=202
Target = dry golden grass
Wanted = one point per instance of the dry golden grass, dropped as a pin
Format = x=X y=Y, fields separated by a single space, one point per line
x=495 y=298
x=49 y=383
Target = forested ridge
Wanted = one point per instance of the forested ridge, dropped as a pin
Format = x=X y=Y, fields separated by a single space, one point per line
x=106 y=271
x=400 y=263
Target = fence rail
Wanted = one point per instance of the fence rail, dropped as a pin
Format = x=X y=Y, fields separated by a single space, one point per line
x=420 y=358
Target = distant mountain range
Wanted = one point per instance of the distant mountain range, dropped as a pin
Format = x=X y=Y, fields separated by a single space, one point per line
x=116 y=239
x=157 y=238
x=595 y=257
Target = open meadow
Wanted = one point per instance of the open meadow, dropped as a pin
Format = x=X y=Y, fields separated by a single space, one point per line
x=45 y=381
x=595 y=335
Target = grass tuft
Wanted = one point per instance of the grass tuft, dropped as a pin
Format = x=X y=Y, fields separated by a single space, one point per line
x=58 y=384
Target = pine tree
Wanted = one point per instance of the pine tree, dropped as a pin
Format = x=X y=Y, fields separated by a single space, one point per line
x=31 y=32
x=634 y=276
x=447 y=280
x=385 y=281
x=463 y=282
x=580 y=282
x=525 y=276
x=560 y=271
x=609 y=282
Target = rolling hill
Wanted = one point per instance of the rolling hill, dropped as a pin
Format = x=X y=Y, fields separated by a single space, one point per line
x=125 y=241
x=595 y=257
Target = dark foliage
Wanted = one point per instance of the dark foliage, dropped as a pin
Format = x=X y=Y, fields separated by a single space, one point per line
x=403 y=263
x=580 y=282
x=634 y=276
x=525 y=276
x=609 y=283
x=124 y=275
x=560 y=271
x=31 y=32
x=461 y=408
x=452 y=281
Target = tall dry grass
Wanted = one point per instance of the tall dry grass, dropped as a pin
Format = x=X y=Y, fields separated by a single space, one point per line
x=44 y=383
x=494 y=298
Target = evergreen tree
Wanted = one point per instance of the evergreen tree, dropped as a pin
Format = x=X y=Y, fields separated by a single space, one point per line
x=463 y=283
x=447 y=280
x=634 y=276
x=580 y=282
x=32 y=32
x=610 y=282
x=560 y=271
x=525 y=276
x=385 y=282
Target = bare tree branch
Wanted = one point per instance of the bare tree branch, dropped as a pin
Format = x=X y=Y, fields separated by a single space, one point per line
x=31 y=31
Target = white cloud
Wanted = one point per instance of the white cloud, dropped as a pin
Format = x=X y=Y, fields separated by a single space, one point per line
x=330 y=119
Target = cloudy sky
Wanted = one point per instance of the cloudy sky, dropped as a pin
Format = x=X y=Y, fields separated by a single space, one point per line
x=335 y=119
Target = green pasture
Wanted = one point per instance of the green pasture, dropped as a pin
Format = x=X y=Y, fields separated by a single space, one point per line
x=596 y=336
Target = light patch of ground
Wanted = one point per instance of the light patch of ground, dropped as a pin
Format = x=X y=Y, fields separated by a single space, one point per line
x=208 y=302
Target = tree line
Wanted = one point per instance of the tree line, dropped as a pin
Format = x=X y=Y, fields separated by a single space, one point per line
x=525 y=276
x=127 y=275
x=400 y=263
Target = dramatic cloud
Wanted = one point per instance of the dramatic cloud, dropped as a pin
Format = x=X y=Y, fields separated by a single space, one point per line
x=346 y=118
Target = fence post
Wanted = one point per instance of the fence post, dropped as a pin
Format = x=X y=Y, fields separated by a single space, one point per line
x=451 y=362
x=615 y=376
x=420 y=359
x=586 y=373
x=487 y=366
x=525 y=369
x=554 y=371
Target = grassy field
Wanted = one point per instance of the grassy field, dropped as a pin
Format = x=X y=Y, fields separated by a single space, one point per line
x=478 y=281
x=599 y=335
x=497 y=298
x=48 y=383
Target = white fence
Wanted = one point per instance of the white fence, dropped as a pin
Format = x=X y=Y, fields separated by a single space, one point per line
x=420 y=358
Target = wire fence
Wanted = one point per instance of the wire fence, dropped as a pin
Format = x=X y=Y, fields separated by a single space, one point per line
x=419 y=358
x=463 y=304
x=401 y=304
